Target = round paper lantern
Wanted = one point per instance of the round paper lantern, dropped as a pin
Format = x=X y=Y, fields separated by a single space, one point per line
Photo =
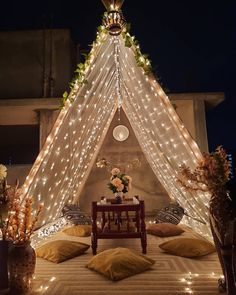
x=120 y=133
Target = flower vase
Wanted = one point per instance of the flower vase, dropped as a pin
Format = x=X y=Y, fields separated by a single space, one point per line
x=3 y=212
x=21 y=267
x=118 y=197
x=3 y=264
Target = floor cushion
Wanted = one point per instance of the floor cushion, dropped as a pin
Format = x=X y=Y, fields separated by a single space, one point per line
x=74 y=215
x=173 y=213
x=83 y=230
x=164 y=229
x=119 y=263
x=187 y=247
x=61 y=250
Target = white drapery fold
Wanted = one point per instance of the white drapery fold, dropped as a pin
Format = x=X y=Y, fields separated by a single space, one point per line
x=64 y=163
x=62 y=167
x=162 y=136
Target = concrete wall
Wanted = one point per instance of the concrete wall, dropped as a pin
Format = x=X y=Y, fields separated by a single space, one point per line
x=185 y=110
x=19 y=172
x=39 y=64
x=191 y=109
x=122 y=154
x=24 y=126
x=35 y=63
x=145 y=183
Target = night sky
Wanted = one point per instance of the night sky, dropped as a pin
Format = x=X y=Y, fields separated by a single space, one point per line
x=192 y=44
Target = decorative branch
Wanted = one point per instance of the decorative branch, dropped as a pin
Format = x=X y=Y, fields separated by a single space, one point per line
x=211 y=175
x=20 y=223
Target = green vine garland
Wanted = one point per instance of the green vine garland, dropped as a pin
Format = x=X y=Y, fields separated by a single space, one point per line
x=79 y=77
x=142 y=60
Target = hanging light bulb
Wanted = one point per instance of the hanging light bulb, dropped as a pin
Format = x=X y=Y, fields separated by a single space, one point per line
x=113 y=20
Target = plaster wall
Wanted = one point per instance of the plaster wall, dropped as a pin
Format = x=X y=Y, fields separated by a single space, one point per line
x=19 y=172
x=35 y=63
x=124 y=155
x=185 y=110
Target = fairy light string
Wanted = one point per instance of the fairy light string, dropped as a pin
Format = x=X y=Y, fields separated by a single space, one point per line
x=114 y=80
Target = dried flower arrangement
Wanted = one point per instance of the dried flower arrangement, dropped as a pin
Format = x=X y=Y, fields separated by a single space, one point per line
x=16 y=220
x=211 y=175
x=3 y=172
x=7 y=194
x=20 y=223
x=3 y=184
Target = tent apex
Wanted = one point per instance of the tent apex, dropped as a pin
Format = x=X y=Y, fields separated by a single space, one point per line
x=113 y=4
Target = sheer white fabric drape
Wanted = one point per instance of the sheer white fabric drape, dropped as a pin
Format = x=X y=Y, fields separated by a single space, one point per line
x=163 y=138
x=65 y=161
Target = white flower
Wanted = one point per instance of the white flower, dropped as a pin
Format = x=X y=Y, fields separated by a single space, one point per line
x=115 y=171
x=3 y=172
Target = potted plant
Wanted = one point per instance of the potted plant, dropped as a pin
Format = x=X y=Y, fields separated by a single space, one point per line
x=18 y=230
x=212 y=175
x=16 y=227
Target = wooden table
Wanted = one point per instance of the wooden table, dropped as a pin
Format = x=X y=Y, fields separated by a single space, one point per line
x=117 y=222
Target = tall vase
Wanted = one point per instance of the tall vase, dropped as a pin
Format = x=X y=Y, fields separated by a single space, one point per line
x=3 y=212
x=3 y=264
x=21 y=265
x=118 y=197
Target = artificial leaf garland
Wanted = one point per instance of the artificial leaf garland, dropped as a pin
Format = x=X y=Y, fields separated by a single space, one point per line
x=81 y=70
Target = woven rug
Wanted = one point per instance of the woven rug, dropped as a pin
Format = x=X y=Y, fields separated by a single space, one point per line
x=170 y=274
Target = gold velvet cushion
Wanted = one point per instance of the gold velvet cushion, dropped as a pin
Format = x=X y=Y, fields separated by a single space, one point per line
x=119 y=263
x=61 y=250
x=83 y=230
x=164 y=229
x=187 y=247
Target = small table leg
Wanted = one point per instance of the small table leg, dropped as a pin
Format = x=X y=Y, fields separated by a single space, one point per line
x=94 y=228
x=144 y=242
x=94 y=244
x=143 y=228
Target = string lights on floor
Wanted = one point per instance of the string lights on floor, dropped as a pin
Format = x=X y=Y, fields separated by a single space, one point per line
x=189 y=283
x=44 y=287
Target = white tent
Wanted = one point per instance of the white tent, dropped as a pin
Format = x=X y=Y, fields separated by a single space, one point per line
x=114 y=79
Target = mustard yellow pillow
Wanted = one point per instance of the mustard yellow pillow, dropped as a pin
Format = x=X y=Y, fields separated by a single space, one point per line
x=61 y=250
x=119 y=263
x=164 y=229
x=187 y=247
x=83 y=230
